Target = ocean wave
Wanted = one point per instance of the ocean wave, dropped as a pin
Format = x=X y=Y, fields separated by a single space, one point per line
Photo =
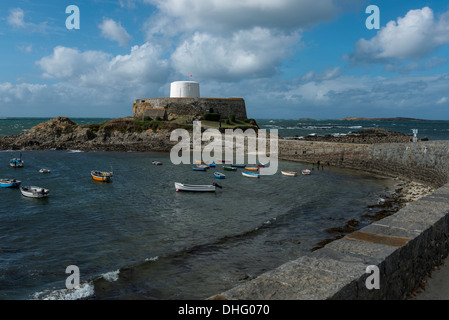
x=111 y=276
x=85 y=290
x=152 y=258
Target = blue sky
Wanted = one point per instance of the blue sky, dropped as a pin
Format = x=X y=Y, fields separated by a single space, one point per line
x=286 y=58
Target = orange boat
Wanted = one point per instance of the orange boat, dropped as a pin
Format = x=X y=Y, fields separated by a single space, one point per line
x=252 y=168
x=103 y=176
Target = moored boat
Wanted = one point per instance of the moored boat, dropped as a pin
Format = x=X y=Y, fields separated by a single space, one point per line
x=219 y=175
x=44 y=170
x=199 y=168
x=10 y=183
x=103 y=176
x=156 y=163
x=261 y=165
x=229 y=168
x=34 y=192
x=289 y=173
x=305 y=171
x=16 y=162
x=250 y=174
x=252 y=168
x=196 y=188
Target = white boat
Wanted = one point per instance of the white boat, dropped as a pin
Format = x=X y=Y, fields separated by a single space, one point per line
x=306 y=171
x=16 y=163
x=34 y=192
x=44 y=171
x=196 y=187
x=289 y=173
x=250 y=174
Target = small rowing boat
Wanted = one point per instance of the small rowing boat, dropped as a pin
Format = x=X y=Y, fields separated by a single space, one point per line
x=10 y=183
x=44 y=171
x=196 y=188
x=261 y=165
x=229 y=168
x=156 y=163
x=219 y=175
x=250 y=174
x=289 y=173
x=252 y=168
x=199 y=168
x=34 y=192
x=305 y=171
x=102 y=176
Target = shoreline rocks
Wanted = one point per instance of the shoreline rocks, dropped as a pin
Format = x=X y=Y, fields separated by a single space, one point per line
x=367 y=136
x=123 y=134
x=404 y=193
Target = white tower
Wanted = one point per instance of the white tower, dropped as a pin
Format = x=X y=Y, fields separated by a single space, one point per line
x=185 y=89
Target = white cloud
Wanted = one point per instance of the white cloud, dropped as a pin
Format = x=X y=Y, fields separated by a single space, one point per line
x=232 y=15
x=414 y=36
x=233 y=39
x=16 y=18
x=442 y=100
x=248 y=53
x=114 y=31
x=328 y=74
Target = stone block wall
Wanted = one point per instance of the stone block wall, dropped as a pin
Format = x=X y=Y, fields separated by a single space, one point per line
x=426 y=162
x=192 y=107
x=404 y=246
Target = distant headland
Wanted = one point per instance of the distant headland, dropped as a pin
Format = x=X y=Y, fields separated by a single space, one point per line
x=385 y=119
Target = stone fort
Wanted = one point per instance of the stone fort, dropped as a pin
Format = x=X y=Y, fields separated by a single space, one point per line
x=185 y=100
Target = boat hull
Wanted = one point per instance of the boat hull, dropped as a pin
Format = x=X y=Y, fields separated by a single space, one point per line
x=34 y=192
x=289 y=173
x=101 y=176
x=5 y=183
x=219 y=175
x=16 y=164
x=194 y=188
x=252 y=168
x=305 y=171
x=230 y=168
x=250 y=174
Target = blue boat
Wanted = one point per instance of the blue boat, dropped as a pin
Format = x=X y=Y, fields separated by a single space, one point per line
x=212 y=165
x=16 y=163
x=250 y=174
x=199 y=168
x=10 y=183
x=219 y=175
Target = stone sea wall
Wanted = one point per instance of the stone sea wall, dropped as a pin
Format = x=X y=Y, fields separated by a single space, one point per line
x=426 y=162
x=404 y=246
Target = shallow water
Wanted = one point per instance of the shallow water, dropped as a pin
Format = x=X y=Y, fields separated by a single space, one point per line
x=137 y=238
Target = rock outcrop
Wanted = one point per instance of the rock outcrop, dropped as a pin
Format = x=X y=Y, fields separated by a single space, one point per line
x=123 y=134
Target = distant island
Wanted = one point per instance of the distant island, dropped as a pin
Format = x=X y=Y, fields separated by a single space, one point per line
x=385 y=119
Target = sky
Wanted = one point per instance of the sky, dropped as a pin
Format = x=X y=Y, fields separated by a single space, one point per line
x=288 y=59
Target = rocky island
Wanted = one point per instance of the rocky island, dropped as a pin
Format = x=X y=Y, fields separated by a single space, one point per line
x=121 y=134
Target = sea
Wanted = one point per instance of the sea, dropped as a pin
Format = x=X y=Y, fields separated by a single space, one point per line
x=137 y=238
